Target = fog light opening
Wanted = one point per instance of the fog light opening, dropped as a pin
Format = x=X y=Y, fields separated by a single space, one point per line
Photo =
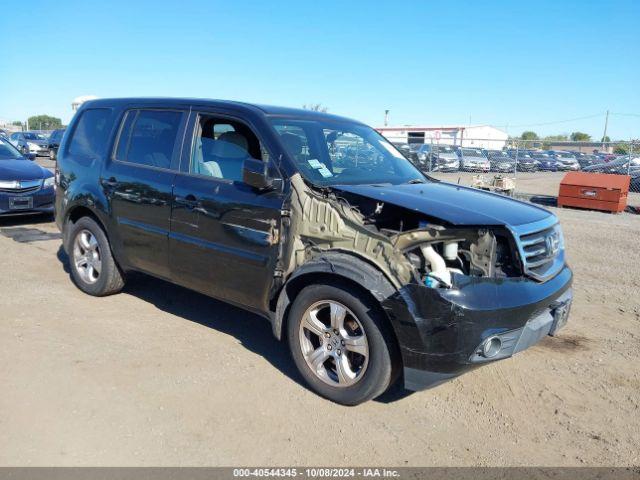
x=491 y=347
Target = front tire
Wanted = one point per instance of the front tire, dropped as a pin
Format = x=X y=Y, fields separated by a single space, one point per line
x=93 y=268
x=341 y=344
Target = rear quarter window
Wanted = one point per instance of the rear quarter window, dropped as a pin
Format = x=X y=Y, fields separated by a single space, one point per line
x=148 y=137
x=91 y=133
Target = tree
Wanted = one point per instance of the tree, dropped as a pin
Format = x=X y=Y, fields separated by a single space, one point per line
x=580 y=137
x=316 y=107
x=623 y=149
x=605 y=139
x=16 y=123
x=551 y=139
x=529 y=135
x=44 y=122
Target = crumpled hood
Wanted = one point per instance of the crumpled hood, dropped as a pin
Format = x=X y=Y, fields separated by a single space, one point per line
x=453 y=204
x=22 y=170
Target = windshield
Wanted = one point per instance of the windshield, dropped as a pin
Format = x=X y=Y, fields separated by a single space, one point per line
x=564 y=155
x=443 y=150
x=56 y=135
x=33 y=136
x=541 y=156
x=8 y=151
x=469 y=152
x=333 y=153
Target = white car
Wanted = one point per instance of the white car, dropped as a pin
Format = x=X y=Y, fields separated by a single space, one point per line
x=30 y=142
x=473 y=160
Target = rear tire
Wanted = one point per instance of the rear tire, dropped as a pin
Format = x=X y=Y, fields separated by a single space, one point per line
x=93 y=268
x=341 y=344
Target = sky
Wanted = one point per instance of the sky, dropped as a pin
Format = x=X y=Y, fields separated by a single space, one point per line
x=516 y=65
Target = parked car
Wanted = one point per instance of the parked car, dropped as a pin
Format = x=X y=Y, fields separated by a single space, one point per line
x=403 y=147
x=443 y=158
x=371 y=273
x=621 y=166
x=524 y=160
x=472 y=160
x=414 y=148
x=30 y=142
x=500 y=161
x=53 y=142
x=607 y=157
x=546 y=162
x=566 y=160
x=25 y=187
x=587 y=159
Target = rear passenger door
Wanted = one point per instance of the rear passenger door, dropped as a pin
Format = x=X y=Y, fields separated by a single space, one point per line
x=139 y=183
x=224 y=234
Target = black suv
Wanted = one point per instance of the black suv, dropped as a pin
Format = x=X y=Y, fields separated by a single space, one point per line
x=54 y=142
x=370 y=270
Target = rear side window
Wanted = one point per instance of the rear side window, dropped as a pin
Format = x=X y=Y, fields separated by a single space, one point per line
x=90 y=135
x=148 y=137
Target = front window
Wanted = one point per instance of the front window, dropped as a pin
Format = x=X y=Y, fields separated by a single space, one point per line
x=442 y=149
x=8 y=151
x=34 y=136
x=469 y=152
x=56 y=135
x=221 y=145
x=334 y=153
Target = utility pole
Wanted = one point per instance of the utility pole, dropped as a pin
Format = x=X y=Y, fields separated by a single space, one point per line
x=386 y=117
x=606 y=124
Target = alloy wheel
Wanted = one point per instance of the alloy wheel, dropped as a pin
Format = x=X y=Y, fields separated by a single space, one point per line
x=334 y=343
x=86 y=256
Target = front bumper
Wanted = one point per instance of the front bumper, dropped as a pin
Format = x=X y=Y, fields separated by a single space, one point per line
x=475 y=167
x=38 y=149
x=440 y=331
x=41 y=202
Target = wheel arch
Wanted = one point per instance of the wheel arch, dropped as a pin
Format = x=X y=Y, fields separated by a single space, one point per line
x=332 y=267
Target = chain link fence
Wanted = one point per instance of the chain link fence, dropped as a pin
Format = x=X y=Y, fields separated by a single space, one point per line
x=525 y=168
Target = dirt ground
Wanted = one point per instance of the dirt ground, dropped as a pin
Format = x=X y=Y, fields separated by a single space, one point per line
x=158 y=375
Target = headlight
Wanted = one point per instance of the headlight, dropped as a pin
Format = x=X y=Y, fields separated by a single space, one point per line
x=11 y=184
x=48 y=182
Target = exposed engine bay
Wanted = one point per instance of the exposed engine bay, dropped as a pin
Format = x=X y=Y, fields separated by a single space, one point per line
x=407 y=245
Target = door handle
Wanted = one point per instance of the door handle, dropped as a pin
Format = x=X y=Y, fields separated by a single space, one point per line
x=190 y=202
x=111 y=182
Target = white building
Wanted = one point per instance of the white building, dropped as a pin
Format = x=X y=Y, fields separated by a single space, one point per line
x=75 y=104
x=478 y=136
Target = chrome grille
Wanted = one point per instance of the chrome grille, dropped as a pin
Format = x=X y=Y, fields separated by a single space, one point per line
x=541 y=248
x=21 y=187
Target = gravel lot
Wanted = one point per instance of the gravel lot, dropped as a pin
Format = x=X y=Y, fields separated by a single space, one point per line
x=158 y=375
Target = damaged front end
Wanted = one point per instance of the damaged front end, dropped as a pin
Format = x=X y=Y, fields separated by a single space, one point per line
x=456 y=295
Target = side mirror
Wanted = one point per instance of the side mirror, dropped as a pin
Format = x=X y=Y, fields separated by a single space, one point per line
x=255 y=174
